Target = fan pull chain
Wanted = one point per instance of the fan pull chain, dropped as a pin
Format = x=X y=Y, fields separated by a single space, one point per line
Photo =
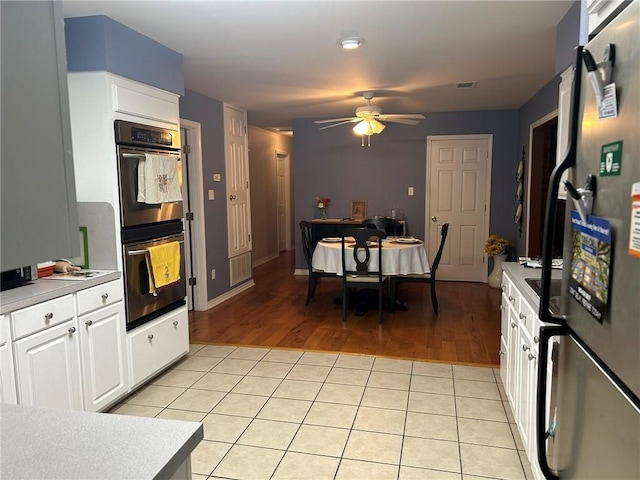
x=368 y=140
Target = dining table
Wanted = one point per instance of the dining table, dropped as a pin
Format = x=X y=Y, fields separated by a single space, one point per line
x=402 y=256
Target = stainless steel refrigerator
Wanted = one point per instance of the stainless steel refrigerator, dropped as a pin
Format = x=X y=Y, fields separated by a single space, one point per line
x=592 y=430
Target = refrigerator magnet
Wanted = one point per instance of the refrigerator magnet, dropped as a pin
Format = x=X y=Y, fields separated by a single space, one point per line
x=610 y=159
x=634 y=224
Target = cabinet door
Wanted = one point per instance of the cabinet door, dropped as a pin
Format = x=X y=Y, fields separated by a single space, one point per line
x=104 y=367
x=48 y=368
x=564 y=121
x=156 y=345
x=504 y=339
x=526 y=388
x=7 y=375
x=513 y=374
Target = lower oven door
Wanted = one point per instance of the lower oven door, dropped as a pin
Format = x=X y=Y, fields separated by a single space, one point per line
x=141 y=304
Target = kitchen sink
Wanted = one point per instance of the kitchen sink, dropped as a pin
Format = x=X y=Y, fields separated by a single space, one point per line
x=555 y=291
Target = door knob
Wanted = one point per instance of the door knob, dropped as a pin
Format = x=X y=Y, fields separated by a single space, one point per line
x=232 y=197
x=434 y=219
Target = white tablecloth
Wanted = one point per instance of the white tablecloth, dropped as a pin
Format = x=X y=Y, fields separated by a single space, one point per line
x=397 y=259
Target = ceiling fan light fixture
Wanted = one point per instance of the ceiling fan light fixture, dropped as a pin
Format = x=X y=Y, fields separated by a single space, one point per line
x=369 y=126
x=350 y=43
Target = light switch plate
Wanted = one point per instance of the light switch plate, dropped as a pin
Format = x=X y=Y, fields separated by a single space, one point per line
x=211 y=195
x=217 y=177
x=410 y=192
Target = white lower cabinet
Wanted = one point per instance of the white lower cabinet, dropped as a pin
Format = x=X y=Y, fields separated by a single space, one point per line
x=47 y=367
x=519 y=364
x=7 y=375
x=155 y=345
x=103 y=350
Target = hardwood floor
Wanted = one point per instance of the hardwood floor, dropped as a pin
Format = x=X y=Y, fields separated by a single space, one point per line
x=273 y=314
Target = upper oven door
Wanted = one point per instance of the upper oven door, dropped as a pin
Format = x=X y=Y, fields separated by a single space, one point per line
x=133 y=212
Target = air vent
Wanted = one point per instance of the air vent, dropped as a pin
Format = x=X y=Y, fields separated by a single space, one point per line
x=465 y=85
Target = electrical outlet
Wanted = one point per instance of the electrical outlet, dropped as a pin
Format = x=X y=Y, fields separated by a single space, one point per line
x=211 y=195
x=213 y=274
x=410 y=193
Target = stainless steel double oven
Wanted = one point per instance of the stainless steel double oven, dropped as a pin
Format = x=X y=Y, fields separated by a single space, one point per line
x=144 y=225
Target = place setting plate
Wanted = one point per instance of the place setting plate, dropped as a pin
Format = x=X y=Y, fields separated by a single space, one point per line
x=407 y=241
x=332 y=239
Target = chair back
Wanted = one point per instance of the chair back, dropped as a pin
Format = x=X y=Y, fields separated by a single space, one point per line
x=444 y=231
x=362 y=244
x=305 y=230
x=388 y=225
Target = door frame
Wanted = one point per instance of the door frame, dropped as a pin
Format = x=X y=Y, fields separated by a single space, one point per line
x=532 y=127
x=287 y=196
x=487 y=215
x=196 y=244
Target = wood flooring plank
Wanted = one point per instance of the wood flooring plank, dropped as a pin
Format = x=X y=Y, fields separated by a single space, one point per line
x=272 y=314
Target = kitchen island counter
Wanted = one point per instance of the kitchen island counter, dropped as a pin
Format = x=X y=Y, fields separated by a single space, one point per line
x=68 y=444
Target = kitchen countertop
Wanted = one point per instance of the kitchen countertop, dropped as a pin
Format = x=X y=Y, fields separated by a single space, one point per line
x=45 y=289
x=69 y=444
x=517 y=273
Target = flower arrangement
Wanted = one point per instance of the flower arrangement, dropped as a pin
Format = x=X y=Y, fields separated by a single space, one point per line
x=323 y=202
x=496 y=245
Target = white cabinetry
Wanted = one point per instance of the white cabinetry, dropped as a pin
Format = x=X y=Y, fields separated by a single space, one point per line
x=7 y=376
x=600 y=10
x=564 y=121
x=156 y=344
x=519 y=363
x=102 y=343
x=46 y=352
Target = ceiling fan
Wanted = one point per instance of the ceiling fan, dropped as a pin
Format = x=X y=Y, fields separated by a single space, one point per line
x=370 y=118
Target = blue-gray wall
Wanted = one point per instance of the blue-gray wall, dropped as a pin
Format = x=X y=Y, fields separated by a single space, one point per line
x=332 y=163
x=568 y=37
x=99 y=43
x=209 y=113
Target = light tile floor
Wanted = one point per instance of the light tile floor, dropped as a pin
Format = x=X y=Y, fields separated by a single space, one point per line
x=291 y=414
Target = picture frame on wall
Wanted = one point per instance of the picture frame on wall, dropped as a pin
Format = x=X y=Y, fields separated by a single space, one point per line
x=358 y=209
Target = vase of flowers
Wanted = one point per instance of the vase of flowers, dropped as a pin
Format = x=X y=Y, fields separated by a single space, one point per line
x=322 y=203
x=497 y=247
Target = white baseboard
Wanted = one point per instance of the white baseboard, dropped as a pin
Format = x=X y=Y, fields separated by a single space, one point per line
x=230 y=294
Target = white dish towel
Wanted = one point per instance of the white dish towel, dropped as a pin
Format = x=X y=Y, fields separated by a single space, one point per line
x=158 y=179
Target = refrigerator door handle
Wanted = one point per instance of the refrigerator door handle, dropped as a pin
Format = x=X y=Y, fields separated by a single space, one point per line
x=546 y=332
x=568 y=161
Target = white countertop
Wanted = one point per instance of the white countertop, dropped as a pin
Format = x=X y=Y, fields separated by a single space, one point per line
x=45 y=289
x=517 y=273
x=40 y=443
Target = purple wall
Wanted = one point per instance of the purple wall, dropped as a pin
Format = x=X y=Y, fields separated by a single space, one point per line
x=208 y=112
x=332 y=163
x=100 y=43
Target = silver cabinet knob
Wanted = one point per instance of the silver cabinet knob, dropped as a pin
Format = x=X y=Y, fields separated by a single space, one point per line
x=522 y=316
x=72 y=330
x=175 y=323
x=88 y=323
x=48 y=316
x=434 y=219
x=525 y=348
x=150 y=336
x=531 y=356
x=536 y=339
x=511 y=299
x=105 y=296
x=500 y=352
x=514 y=324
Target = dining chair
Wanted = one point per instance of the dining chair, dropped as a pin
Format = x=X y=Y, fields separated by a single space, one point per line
x=364 y=275
x=314 y=273
x=388 y=225
x=425 y=277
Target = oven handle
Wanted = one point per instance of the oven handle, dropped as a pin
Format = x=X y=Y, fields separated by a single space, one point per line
x=140 y=155
x=143 y=251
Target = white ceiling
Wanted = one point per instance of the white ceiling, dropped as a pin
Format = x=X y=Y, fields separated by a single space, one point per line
x=280 y=60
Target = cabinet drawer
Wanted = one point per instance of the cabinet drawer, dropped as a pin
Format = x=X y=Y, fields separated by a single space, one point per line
x=156 y=345
x=99 y=296
x=43 y=315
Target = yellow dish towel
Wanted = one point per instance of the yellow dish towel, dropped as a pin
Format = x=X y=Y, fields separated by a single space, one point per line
x=163 y=263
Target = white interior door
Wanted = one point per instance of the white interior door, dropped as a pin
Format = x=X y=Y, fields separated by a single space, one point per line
x=237 y=169
x=458 y=193
x=281 y=207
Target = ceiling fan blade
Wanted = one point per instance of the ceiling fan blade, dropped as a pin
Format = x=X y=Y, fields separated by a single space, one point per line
x=415 y=116
x=351 y=119
x=340 y=123
x=404 y=121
